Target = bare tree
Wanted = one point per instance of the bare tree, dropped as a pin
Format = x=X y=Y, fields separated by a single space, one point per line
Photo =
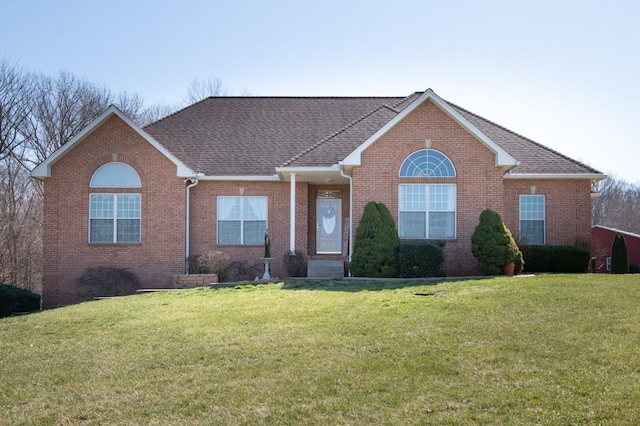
x=201 y=89
x=20 y=226
x=15 y=92
x=617 y=206
x=156 y=112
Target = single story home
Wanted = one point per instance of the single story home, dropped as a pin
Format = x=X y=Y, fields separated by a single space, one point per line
x=215 y=176
x=602 y=241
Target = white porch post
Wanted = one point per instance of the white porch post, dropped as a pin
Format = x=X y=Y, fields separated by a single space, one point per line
x=292 y=222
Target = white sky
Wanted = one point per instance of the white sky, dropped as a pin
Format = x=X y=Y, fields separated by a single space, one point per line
x=563 y=73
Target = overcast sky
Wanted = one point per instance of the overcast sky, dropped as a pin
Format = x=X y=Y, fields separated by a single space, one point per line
x=563 y=73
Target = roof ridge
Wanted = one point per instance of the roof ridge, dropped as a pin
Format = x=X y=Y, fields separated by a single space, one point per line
x=493 y=123
x=336 y=133
x=304 y=97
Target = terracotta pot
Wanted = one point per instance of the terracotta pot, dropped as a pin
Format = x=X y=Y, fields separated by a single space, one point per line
x=508 y=268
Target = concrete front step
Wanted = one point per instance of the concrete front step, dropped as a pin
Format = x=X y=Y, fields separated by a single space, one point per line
x=325 y=269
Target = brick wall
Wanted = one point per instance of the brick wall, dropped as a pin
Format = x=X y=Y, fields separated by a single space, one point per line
x=67 y=253
x=204 y=219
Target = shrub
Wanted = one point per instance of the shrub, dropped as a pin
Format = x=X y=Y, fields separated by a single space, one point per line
x=213 y=262
x=107 y=281
x=493 y=245
x=14 y=300
x=559 y=259
x=619 y=255
x=296 y=264
x=375 y=248
x=419 y=258
x=538 y=258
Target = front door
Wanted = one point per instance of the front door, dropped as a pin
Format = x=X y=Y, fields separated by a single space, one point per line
x=329 y=223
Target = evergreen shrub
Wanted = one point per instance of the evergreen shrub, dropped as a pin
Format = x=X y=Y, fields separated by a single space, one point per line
x=557 y=259
x=420 y=258
x=619 y=255
x=375 y=248
x=14 y=300
x=493 y=244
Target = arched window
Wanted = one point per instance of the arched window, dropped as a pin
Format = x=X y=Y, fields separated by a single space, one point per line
x=427 y=210
x=114 y=217
x=427 y=163
x=115 y=175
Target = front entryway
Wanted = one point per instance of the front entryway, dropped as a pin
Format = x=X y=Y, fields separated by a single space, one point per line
x=329 y=222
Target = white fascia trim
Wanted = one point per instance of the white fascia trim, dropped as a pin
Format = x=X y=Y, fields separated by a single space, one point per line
x=503 y=159
x=43 y=170
x=329 y=169
x=555 y=176
x=271 y=178
x=631 y=234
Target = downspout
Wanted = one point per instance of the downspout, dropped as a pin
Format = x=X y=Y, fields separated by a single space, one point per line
x=350 y=214
x=194 y=182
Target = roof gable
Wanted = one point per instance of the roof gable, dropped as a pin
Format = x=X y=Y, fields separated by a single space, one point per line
x=503 y=158
x=43 y=170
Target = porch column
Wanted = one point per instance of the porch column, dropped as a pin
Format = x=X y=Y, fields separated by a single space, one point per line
x=292 y=222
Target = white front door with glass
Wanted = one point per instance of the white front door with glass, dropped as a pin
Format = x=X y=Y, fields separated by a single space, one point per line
x=329 y=223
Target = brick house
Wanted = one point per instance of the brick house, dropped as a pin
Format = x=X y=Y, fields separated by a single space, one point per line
x=217 y=174
x=602 y=241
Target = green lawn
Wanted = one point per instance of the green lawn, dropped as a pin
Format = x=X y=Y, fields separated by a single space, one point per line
x=552 y=349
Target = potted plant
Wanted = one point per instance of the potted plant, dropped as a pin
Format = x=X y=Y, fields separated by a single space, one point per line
x=494 y=246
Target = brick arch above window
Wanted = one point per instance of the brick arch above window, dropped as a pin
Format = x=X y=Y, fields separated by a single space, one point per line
x=427 y=163
x=115 y=175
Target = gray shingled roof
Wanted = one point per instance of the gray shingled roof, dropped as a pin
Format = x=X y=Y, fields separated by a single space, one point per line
x=228 y=136
x=251 y=136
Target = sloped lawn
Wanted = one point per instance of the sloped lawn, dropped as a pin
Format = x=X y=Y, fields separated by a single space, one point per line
x=555 y=349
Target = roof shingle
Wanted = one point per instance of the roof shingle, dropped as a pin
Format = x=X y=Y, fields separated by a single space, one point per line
x=251 y=136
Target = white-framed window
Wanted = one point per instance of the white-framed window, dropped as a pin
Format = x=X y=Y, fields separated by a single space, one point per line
x=608 y=264
x=532 y=219
x=242 y=220
x=427 y=211
x=115 y=217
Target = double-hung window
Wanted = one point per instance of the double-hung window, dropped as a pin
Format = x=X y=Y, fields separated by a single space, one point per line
x=114 y=217
x=532 y=219
x=241 y=220
x=427 y=210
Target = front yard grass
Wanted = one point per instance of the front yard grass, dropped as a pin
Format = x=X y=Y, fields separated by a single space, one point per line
x=551 y=349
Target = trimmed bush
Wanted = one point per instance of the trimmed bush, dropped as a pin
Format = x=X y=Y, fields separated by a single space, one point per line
x=375 y=248
x=17 y=300
x=419 y=258
x=296 y=264
x=493 y=244
x=557 y=259
x=538 y=258
x=107 y=281
x=619 y=255
x=213 y=262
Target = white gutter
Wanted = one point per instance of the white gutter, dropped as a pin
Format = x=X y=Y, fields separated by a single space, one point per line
x=542 y=176
x=350 y=214
x=187 y=214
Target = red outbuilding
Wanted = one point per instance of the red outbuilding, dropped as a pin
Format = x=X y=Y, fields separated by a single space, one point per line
x=601 y=241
